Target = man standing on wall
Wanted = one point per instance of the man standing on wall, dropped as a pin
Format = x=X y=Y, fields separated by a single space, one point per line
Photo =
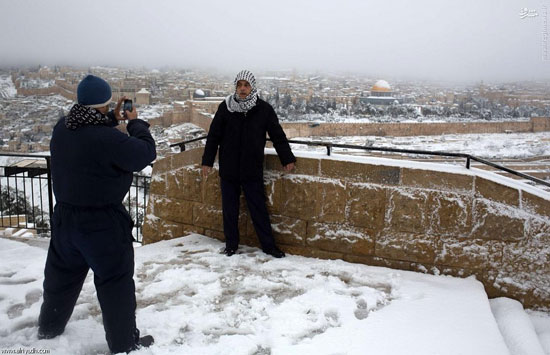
x=239 y=130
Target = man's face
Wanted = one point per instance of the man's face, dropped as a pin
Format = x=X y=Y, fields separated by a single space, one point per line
x=243 y=88
x=103 y=109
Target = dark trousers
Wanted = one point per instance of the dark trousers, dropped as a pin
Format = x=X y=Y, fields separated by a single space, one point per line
x=255 y=198
x=100 y=239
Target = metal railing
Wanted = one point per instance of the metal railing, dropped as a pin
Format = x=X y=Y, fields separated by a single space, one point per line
x=330 y=146
x=26 y=195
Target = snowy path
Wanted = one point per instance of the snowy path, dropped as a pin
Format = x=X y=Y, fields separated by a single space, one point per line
x=194 y=300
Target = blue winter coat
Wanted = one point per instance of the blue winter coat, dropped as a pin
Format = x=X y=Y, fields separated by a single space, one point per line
x=93 y=166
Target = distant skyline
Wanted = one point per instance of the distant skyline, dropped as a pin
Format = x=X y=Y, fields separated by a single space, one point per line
x=467 y=41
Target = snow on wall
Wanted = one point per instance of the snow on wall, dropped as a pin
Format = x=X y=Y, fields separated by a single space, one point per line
x=426 y=217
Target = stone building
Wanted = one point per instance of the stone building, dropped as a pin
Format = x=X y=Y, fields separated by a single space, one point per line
x=380 y=94
x=143 y=97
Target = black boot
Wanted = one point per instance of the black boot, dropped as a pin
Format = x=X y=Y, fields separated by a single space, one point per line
x=275 y=252
x=141 y=342
x=229 y=251
x=146 y=341
x=48 y=335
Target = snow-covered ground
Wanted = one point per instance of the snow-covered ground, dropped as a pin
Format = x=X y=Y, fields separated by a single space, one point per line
x=499 y=146
x=194 y=300
x=147 y=112
x=7 y=88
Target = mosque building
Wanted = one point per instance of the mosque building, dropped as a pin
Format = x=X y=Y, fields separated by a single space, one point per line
x=380 y=94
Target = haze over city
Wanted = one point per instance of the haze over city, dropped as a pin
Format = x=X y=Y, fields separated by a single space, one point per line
x=465 y=41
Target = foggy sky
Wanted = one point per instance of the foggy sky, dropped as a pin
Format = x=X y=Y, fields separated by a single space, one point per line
x=468 y=40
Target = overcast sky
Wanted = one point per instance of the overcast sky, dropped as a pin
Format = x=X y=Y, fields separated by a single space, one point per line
x=469 y=40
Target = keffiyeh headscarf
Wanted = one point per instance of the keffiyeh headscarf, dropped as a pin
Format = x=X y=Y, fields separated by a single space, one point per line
x=81 y=115
x=234 y=102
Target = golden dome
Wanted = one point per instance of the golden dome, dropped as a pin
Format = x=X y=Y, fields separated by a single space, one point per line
x=381 y=86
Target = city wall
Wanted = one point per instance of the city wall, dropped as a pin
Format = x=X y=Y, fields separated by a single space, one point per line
x=538 y=124
x=417 y=219
x=201 y=114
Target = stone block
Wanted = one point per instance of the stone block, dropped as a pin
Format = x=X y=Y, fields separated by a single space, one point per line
x=189 y=157
x=437 y=180
x=158 y=185
x=174 y=210
x=250 y=240
x=156 y=229
x=496 y=192
x=298 y=197
x=273 y=190
x=378 y=261
x=149 y=229
x=406 y=247
x=408 y=211
x=272 y=162
x=214 y=234
x=289 y=231
x=496 y=222
x=450 y=214
x=211 y=191
x=332 y=198
x=531 y=290
x=471 y=254
x=311 y=253
x=367 y=206
x=184 y=184
x=307 y=166
x=538 y=232
x=359 y=172
x=162 y=166
x=340 y=238
x=207 y=217
x=526 y=258
x=535 y=204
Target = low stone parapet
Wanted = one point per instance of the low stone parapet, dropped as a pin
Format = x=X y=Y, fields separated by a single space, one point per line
x=434 y=218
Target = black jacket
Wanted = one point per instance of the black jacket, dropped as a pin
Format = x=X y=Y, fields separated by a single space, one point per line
x=241 y=140
x=93 y=166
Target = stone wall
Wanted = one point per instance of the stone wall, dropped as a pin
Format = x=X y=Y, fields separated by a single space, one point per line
x=199 y=113
x=538 y=124
x=458 y=224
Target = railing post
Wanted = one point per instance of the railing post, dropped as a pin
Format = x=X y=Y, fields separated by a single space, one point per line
x=468 y=162
x=50 y=190
x=329 y=148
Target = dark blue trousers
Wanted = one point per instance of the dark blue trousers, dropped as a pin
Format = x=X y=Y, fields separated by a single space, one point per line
x=255 y=198
x=100 y=239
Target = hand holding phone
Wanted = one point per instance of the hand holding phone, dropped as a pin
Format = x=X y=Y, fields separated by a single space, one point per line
x=128 y=111
x=128 y=106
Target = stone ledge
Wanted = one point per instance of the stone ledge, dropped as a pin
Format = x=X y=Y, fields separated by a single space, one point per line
x=499 y=193
x=537 y=204
x=437 y=180
x=359 y=172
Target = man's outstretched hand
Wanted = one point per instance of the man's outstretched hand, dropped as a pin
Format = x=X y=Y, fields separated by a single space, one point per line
x=206 y=170
x=289 y=167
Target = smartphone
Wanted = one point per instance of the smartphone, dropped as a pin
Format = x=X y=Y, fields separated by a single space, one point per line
x=127 y=105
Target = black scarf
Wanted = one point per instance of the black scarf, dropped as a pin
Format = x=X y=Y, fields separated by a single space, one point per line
x=82 y=116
